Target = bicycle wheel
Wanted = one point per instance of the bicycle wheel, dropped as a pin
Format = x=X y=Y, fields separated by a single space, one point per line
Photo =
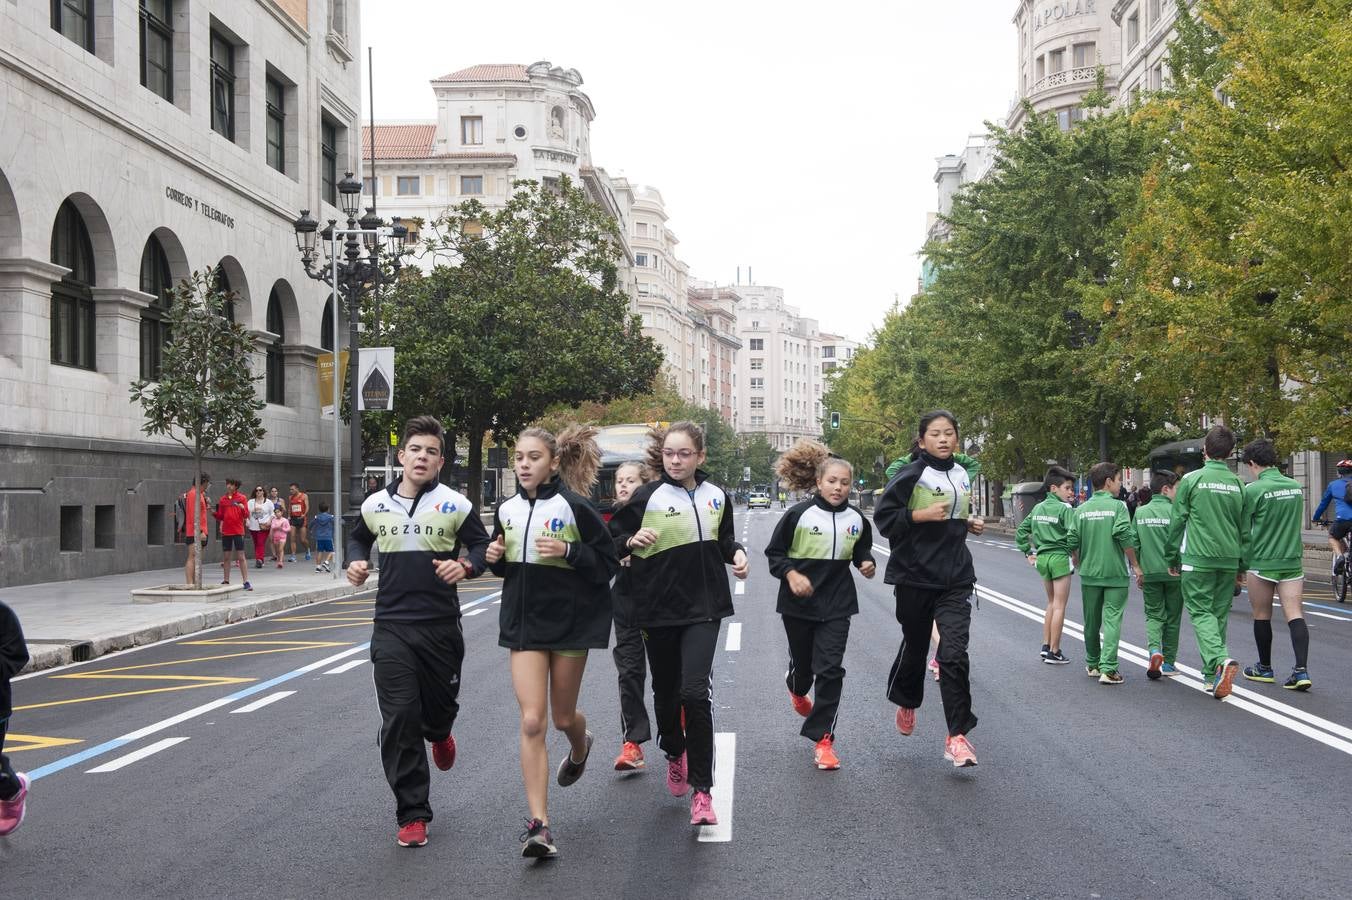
x=1340 y=584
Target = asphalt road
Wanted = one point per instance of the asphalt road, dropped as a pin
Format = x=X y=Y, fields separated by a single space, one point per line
x=264 y=780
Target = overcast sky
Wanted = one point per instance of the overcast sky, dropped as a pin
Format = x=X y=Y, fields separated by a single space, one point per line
x=797 y=140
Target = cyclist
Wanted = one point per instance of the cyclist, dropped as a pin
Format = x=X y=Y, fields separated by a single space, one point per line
x=1336 y=494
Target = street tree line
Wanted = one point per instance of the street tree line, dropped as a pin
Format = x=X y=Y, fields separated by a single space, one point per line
x=1109 y=288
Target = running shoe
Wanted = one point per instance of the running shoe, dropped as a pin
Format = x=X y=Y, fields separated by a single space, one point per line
x=676 y=776
x=958 y=750
x=1092 y=671
x=1169 y=670
x=1260 y=672
x=319 y=568
x=226 y=581
x=1225 y=679
x=1056 y=658
x=1299 y=681
x=1046 y=651
x=307 y=555
x=12 y=810
x=824 y=754
x=414 y=834
x=905 y=720
x=326 y=567
x=443 y=752
x=248 y=586
x=934 y=667
x=258 y=563
x=1111 y=678
x=702 y=809
x=291 y=558
x=1156 y=662
x=630 y=758
x=539 y=843
x=279 y=563
x=801 y=705
x=570 y=771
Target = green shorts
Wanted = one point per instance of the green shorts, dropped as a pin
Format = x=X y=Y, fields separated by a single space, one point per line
x=1277 y=576
x=1053 y=565
x=570 y=654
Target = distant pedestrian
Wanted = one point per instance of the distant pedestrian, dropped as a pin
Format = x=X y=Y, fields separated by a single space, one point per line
x=372 y=485
x=1100 y=536
x=195 y=506
x=323 y=536
x=417 y=645
x=298 y=508
x=1206 y=543
x=13 y=785
x=1162 y=591
x=260 y=521
x=631 y=662
x=1043 y=538
x=232 y=512
x=277 y=532
x=275 y=498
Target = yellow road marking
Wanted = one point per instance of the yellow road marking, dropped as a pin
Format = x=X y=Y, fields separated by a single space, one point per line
x=15 y=743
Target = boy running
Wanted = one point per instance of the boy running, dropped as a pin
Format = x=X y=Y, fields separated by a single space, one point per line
x=1100 y=534
x=1206 y=541
x=1041 y=537
x=1274 y=511
x=13 y=785
x=1163 y=594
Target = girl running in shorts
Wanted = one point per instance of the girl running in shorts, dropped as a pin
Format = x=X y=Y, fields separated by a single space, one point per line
x=1041 y=537
x=556 y=558
x=811 y=552
x=629 y=654
x=679 y=533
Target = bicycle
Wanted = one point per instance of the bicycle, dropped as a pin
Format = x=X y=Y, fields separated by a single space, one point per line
x=1341 y=573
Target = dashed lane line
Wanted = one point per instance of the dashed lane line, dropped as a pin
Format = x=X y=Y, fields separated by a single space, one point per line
x=259 y=704
x=739 y=588
x=123 y=761
x=734 y=637
x=346 y=667
x=725 y=751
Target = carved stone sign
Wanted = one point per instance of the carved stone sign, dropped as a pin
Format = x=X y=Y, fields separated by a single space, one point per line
x=1062 y=10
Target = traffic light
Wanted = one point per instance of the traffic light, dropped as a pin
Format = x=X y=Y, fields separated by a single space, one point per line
x=835 y=421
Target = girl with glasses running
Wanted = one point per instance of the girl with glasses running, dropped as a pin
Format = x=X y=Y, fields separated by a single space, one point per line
x=678 y=533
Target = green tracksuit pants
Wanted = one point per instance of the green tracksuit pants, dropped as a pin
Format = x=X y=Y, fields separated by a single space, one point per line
x=1208 y=595
x=1163 y=614
x=1103 y=608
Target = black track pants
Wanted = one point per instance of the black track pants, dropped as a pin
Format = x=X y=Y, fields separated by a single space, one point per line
x=816 y=657
x=633 y=672
x=951 y=610
x=682 y=663
x=417 y=675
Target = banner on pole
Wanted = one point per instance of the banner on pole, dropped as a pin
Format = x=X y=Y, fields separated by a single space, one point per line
x=325 y=369
x=375 y=379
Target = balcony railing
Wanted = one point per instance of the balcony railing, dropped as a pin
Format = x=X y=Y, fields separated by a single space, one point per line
x=1065 y=77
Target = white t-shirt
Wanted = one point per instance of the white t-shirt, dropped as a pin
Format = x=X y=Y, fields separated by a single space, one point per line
x=260 y=515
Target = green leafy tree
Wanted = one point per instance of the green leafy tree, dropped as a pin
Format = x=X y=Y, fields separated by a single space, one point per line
x=204 y=398
x=521 y=313
x=759 y=456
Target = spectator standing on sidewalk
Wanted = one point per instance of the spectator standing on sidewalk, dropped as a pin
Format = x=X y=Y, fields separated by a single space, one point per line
x=260 y=521
x=299 y=510
x=323 y=535
x=232 y=511
x=195 y=524
x=13 y=785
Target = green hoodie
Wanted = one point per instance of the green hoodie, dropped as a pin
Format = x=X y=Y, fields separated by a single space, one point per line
x=1152 y=535
x=1047 y=525
x=1209 y=530
x=1274 y=512
x=1100 y=530
x=971 y=465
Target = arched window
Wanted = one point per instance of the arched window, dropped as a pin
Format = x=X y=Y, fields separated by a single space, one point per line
x=274 y=389
x=326 y=340
x=155 y=280
x=224 y=287
x=72 y=301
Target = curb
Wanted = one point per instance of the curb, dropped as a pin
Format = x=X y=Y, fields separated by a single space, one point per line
x=48 y=655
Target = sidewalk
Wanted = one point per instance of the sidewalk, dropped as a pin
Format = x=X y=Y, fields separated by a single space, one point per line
x=70 y=621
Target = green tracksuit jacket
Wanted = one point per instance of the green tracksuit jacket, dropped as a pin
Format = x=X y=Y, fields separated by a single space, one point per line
x=1152 y=537
x=1100 y=530
x=1209 y=530
x=1274 y=511
x=1046 y=527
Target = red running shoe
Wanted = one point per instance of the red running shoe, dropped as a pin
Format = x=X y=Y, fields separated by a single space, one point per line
x=801 y=705
x=905 y=720
x=824 y=755
x=958 y=751
x=443 y=752
x=630 y=758
x=414 y=834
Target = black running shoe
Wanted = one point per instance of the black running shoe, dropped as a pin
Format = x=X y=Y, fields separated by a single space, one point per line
x=1046 y=652
x=539 y=843
x=570 y=771
x=1056 y=658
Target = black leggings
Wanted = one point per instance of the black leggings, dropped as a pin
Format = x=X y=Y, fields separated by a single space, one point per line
x=682 y=662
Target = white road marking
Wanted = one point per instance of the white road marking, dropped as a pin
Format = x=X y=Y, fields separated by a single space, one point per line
x=725 y=770
x=474 y=612
x=346 y=667
x=740 y=588
x=482 y=600
x=266 y=701
x=124 y=761
x=734 y=636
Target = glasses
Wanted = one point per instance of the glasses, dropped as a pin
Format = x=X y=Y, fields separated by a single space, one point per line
x=677 y=454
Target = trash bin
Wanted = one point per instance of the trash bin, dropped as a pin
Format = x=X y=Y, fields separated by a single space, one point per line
x=1023 y=497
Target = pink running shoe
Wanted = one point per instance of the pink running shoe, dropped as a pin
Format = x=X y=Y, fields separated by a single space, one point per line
x=959 y=752
x=12 y=810
x=801 y=705
x=676 y=772
x=702 y=809
x=905 y=720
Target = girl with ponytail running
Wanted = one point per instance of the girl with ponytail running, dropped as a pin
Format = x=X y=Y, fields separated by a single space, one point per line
x=630 y=663
x=678 y=532
x=556 y=557
x=811 y=552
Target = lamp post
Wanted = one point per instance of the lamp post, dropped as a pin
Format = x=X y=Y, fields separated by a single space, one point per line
x=367 y=245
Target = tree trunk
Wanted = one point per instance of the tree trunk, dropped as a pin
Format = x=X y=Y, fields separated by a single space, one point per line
x=475 y=466
x=197 y=517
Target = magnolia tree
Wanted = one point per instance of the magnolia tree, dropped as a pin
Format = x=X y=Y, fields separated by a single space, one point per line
x=203 y=397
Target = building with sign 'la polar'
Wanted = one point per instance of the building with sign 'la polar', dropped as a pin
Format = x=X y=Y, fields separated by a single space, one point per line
x=138 y=143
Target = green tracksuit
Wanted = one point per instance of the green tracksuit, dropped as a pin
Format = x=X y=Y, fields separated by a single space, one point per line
x=1044 y=531
x=1206 y=540
x=1274 y=511
x=1101 y=530
x=1163 y=592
